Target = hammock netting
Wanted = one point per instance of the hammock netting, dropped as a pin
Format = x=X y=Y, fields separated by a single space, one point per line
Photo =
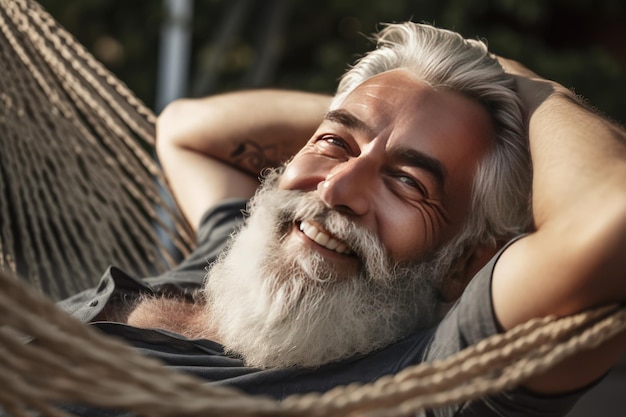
x=80 y=189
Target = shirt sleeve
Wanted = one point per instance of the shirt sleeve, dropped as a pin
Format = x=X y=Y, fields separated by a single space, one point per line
x=216 y=227
x=213 y=235
x=471 y=320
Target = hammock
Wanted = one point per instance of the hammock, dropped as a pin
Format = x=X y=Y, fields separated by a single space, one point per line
x=79 y=189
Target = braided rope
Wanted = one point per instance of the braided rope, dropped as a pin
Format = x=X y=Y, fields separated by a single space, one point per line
x=101 y=72
x=67 y=356
x=79 y=188
x=59 y=104
x=51 y=33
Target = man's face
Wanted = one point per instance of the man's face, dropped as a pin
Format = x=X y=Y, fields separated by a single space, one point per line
x=398 y=158
x=339 y=254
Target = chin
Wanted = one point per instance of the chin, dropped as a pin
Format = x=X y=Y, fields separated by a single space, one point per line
x=280 y=305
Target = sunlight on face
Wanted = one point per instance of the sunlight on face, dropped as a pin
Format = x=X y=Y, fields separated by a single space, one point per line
x=345 y=252
x=399 y=157
x=281 y=306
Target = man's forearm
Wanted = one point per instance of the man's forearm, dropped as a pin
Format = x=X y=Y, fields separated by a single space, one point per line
x=574 y=259
x=213 y=149
x=578 y=158
x=249 y=130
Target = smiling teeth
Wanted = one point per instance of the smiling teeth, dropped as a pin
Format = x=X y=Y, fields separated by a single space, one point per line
x=323 y=239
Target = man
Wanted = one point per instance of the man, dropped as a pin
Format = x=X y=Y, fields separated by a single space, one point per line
x=397 y=193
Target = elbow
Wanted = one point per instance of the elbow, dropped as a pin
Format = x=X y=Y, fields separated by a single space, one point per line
x=169 y=122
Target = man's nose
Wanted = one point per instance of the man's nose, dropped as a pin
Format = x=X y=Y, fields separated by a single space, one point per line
x=348 y=187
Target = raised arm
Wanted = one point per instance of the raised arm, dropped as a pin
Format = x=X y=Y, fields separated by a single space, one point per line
x=575 y=259
x=214 y=148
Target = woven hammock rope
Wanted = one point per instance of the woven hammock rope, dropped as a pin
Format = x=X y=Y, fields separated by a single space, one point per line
x=79 y=189
x=66 y=356
x=75 y=168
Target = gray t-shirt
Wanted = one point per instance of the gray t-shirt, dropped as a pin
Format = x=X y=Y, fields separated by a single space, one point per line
x=470 y=320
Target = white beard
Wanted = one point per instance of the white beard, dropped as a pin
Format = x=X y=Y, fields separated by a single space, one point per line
x=277 y=305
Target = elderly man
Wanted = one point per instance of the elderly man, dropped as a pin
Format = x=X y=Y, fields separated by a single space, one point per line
x=378 y=238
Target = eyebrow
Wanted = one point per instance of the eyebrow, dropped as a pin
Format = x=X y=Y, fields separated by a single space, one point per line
x=348 y=120
x=418 y=159
x=403 y=155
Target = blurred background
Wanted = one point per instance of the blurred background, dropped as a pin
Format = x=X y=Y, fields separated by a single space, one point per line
x=170 y=48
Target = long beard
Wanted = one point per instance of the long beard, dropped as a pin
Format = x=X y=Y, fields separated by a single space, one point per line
x=281 y=305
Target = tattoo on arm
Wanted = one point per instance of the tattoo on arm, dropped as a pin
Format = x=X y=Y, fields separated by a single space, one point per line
x=252 y=157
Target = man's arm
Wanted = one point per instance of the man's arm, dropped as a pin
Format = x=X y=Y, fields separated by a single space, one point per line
x=214 y=148
x=575 y=259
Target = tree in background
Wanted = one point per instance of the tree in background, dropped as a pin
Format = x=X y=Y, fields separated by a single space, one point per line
x=307 y=45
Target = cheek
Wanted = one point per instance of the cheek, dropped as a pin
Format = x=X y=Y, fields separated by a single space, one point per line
x=304 y=173
x=459 y=196
x=290 y=177
x=459 y=206
x=409 y=234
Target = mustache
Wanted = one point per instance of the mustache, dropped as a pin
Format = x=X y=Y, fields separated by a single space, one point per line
x=290 y=207
x=297 y=206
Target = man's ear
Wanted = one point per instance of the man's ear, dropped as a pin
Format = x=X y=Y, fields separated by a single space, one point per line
x=472 y=260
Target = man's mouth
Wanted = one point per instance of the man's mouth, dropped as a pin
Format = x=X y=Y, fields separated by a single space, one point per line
x=320 y=236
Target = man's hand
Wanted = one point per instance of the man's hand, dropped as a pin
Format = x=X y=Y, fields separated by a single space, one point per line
x=532 y=89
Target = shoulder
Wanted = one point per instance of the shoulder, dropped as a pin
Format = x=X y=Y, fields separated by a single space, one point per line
x=472 y=317
x=215 y=229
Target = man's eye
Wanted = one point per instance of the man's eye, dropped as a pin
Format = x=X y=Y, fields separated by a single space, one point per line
x=411 y=182
x=333 y=146
x=334 y=140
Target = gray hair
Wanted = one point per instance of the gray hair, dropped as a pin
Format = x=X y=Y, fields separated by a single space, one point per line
x=500 y=205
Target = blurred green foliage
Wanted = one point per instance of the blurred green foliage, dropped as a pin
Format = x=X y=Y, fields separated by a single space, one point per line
x=580 y=43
